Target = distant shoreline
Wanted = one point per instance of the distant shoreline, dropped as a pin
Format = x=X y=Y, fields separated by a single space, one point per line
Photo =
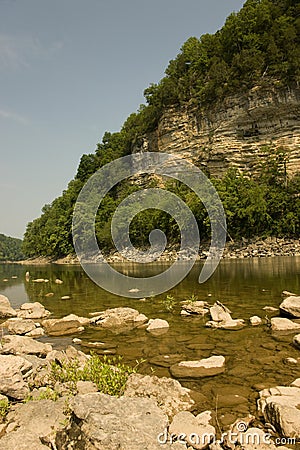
x=252 y=248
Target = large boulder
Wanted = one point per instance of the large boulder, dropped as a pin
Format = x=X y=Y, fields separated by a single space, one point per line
x=66 y=325
x=33 y=311
x=291 y=306
x=119 y=319
x=280 y=407
x=283 y=324
x=197 y=369
x=100 y=421
x=12 y=370
x=169 y=395
x=5 y=308
x=34 y=425
x=195 y=431
x=24 y=345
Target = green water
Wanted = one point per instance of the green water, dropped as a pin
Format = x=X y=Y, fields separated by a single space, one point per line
x=255 y=356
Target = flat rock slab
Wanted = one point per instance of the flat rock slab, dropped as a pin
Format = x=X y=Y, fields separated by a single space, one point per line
x=66 y=325
x=5 y=308
x=24 y=345
x=283 y=324
x=35 y=422
x=291 y=306
x=20 y=326
x=169 y=395
x=197 y=369
x=104 y=422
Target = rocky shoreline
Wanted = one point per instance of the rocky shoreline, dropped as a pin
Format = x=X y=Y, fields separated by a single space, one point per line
x=247 y=248
x=67 y=399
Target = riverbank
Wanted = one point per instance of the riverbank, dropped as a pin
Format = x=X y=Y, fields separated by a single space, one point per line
x=247 y=248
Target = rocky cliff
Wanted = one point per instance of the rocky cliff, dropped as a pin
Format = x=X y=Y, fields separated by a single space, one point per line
x=232 y=133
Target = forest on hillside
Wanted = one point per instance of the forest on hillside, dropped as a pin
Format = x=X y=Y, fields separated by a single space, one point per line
x=259 y=45
x=10 y=248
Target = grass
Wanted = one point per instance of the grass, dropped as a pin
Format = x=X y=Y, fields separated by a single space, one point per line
x=169 y=303
x=109 y=374
x=4 y=408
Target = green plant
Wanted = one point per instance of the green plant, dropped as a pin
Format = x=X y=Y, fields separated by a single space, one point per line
x=169 y=303
x=4 y=407
x=192 y=298
x=109 y=374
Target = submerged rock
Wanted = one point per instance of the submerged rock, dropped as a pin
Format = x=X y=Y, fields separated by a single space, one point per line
x=198 y=369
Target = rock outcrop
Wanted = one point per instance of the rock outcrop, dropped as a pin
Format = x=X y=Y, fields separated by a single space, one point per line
x=233 y=132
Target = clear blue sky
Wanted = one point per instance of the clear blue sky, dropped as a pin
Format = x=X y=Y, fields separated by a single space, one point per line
x=71 y=70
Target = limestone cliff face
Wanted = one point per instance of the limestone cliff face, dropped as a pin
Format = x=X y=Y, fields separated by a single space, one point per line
x=233 y=132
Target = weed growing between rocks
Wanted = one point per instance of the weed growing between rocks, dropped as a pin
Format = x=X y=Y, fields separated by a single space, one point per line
x=109 y=374
x=4 y=407
x=169 y=303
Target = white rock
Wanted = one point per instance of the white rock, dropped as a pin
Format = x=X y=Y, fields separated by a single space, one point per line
x=283 y=324
x=255 y=320
x=199 y=368
x=291 y=306
x=157 y=324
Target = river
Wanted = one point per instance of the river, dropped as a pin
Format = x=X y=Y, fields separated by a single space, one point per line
x=255 y=357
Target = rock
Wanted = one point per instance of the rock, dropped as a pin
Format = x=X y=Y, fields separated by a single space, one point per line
x=270 y=308
x=166 y=360
x=119 y=319
x=67 y=325
x=169 y=395
x=65 y=297
x=288 y=294
x=255 y=320
x=24 y=345
x=33 y=311
x=100 y=421
x=157 y=324
x=197 y=369
x=39 y=280
x=34 y=422
x=254 y=438
x=291 y=306
x=296 y=341
x=195 y=431
x=49 y=294
x=5 y=308
x=219 y=313
x=197 y=307
x=12 y=369
x=58 y=281
x=283 y=324
x=18 y=325
x=36 y=333
x=221 y=318
x=280 y=407
x=296 y=383
x=86 y=387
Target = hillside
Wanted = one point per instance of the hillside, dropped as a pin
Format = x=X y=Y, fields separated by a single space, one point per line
x=230 y=103
x=10 y=248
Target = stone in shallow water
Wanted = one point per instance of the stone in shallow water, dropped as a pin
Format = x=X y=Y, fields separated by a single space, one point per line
x=255 y=320
x=33 y=311
x=291 y=306
x=197 y=369
x=283 y=324
x=67 y=325
x=157 y=324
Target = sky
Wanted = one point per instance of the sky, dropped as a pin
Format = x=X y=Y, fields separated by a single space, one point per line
x=71 y=70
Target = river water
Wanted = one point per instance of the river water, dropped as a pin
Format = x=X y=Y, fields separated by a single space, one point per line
x=255 y=356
